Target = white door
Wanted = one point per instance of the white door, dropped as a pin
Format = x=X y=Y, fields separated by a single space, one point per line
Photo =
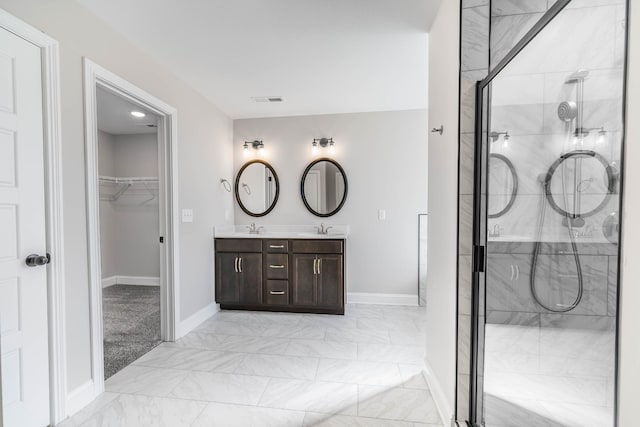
x=23 y=289
x=312 y=190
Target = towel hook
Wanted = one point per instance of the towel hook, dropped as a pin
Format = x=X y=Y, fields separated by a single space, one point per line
x=226 y=184
x=439 y=130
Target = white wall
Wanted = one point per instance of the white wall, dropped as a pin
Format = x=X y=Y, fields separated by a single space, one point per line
x=443 y=206
x=204 y=154
x=629 y=363
x=384 y=157
x=108 y=222
x=129 y=226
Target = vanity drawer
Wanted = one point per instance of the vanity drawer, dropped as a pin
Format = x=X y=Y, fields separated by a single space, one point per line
x=277 y=292
x=276 y=246
x=277 y=266
x=318 y=246
x=238 y=245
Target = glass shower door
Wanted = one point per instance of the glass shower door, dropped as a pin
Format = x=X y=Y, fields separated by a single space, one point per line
x=548 y=171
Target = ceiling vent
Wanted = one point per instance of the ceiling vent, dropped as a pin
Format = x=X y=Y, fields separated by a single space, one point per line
x=267 y=99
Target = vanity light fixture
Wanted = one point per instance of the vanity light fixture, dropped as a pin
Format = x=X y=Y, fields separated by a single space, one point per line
x=138 y=114
x=496 y=136
x=580 y=134
x=257 y=145
x=323 y=142
x=602 y=136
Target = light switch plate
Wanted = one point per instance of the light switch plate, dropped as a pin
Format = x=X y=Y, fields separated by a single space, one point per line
x=382 y=214
x=187 y=215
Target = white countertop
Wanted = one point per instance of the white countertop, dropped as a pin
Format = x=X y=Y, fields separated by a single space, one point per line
x=280 y=232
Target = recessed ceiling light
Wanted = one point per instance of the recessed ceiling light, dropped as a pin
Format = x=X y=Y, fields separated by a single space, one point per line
x=138 y=114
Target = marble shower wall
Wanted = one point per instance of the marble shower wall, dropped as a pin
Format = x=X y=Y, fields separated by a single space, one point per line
x=589 y=35
x=474 y=66
x=526 y=101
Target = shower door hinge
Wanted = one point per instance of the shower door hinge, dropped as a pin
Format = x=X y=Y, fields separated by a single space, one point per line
x=478 y=259
x=161 y=239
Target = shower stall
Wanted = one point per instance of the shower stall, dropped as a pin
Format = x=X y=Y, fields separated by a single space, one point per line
x=548 y=177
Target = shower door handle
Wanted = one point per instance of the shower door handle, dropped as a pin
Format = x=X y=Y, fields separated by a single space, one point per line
x=513 y=272
x=517 y=272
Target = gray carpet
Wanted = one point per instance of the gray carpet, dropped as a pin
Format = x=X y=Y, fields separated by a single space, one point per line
x=131 y=324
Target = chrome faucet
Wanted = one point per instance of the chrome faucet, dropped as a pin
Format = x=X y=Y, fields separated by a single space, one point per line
x=253 y=229
x=495 y=232
x=322 y=229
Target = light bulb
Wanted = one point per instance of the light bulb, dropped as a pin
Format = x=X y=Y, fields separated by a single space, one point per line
x=138 y=114
x=332 y=147
x=314 y=148
x=505 y=141
x=577 y=140
x=245 y=149
x=602 y=136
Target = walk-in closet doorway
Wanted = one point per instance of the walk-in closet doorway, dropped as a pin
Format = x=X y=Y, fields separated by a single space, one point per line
x=131 y=182
x=129 y=230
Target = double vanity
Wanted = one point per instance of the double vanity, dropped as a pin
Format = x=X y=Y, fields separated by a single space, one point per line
x=284 y=268
x=296 y=269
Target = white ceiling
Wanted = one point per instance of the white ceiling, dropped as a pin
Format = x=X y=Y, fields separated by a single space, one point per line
x=114 y=116
x=321 y=56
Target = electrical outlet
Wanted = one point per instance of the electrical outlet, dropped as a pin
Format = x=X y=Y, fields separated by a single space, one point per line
x=382 y=214
x=187 y=215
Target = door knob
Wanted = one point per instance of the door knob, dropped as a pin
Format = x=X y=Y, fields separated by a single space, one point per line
x=35 y=260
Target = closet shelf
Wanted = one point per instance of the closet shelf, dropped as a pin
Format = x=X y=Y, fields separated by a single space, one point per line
x=125 y=183
x=127 y=179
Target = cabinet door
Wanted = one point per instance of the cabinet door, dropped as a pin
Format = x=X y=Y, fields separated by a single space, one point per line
x=330 y=280
x=304 y=280
x=250 y=283
x=226 y=278
x=507 y=283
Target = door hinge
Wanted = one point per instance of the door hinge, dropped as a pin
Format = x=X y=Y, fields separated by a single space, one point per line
x=161 y=239
x=478 y=259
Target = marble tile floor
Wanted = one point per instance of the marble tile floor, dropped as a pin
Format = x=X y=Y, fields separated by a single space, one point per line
x=551 y=377
x=240 y=368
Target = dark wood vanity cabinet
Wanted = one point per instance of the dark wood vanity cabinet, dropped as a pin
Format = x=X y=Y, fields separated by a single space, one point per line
x=238 y=272
x=296 y=275
x=317 y=280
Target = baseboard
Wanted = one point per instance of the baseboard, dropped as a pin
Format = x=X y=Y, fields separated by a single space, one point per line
x=442 y=404
x=109 y=281
x=130 y=280
x=80 y=397
x=193 y=321
x=384 y=299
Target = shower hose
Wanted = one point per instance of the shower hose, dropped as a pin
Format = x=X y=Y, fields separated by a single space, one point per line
x=559 y=308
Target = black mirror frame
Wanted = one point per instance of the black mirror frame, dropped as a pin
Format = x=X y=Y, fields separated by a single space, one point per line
x=514 y=191
x=344 y=196
x=237 y=185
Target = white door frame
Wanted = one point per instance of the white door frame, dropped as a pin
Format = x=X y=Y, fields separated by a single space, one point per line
x=53 y=202
x=96 y=76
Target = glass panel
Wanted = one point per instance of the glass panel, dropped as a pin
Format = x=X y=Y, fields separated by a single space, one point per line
x=512 y=19
x=555 y=113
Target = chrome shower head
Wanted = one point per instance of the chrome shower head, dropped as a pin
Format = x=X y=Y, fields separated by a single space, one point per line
x=567 y=111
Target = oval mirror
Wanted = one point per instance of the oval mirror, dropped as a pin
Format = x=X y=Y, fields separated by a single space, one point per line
x=257 y=188
x=503 y=185
x=324 y=187
x=579 y=184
